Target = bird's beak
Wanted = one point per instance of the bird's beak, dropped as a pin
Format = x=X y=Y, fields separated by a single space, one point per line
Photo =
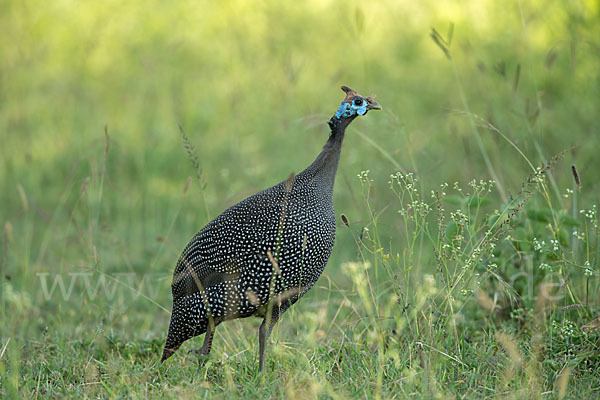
x=372 y=104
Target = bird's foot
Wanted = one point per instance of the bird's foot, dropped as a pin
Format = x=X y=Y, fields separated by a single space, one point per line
x=202 y=356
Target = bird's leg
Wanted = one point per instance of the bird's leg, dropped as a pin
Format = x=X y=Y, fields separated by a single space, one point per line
x=263 y=334
x=206 y=346
x=262 y=337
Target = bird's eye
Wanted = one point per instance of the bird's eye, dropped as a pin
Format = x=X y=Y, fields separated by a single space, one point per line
x=358 y=101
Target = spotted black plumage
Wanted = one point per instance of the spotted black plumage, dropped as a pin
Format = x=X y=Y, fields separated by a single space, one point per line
x=261 y=255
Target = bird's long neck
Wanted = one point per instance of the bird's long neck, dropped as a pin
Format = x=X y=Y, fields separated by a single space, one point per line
x=325 y=165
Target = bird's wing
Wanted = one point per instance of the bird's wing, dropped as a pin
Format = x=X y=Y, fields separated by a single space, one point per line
x=239 y=237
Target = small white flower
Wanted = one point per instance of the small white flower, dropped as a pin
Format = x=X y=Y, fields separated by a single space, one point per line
x=545 y=267
x=579 y=235
x=537 y=245
x=568 y=328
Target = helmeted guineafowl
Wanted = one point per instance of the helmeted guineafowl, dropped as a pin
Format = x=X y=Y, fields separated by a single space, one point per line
x=261 y=255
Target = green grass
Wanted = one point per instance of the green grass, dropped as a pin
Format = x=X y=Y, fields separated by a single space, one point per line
x=471 y=273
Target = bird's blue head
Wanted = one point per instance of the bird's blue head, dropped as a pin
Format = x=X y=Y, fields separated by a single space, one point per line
x=354 y=105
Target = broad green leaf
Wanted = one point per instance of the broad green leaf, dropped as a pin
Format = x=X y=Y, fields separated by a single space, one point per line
x=543 y=215
x=476 y=201
x=454 y=199
x=567 y=220
x=451 y=230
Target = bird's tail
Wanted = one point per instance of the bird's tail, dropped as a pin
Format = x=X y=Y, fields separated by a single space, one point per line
x=169 y=350
x=185 y=324
x=174 y=337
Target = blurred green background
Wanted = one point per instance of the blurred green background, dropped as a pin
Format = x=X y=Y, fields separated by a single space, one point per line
x=252 y=84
